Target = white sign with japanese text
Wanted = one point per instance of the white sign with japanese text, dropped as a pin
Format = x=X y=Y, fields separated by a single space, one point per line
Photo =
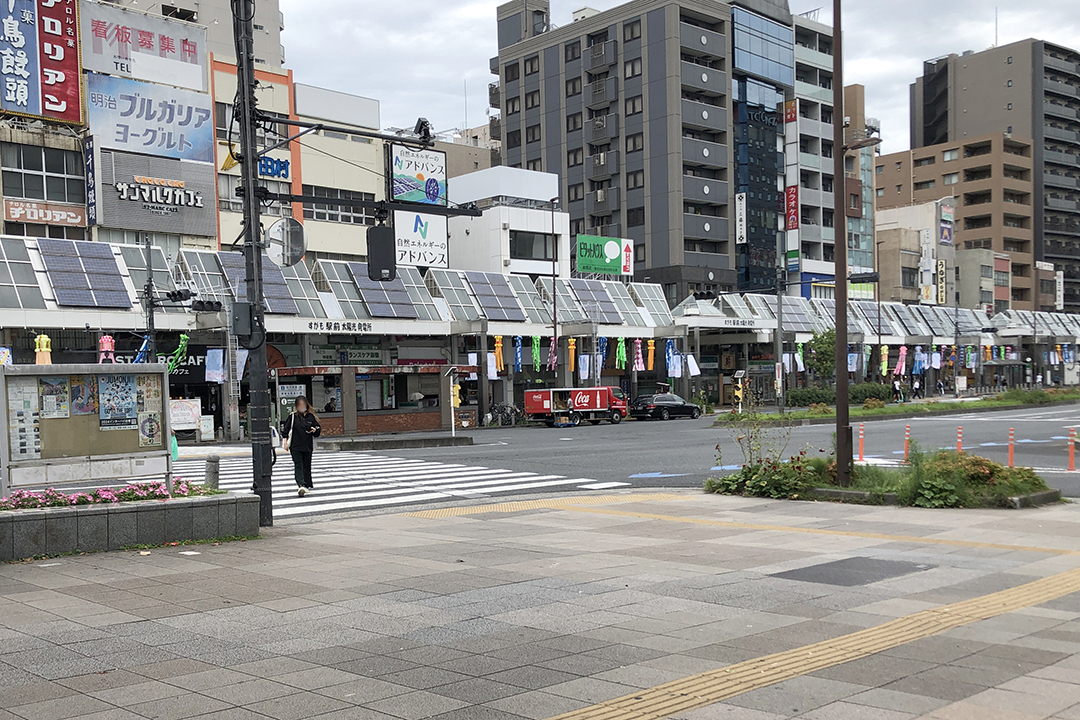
x=421 y=239
x=418 y=176
x=741 y=229
x=117 y=41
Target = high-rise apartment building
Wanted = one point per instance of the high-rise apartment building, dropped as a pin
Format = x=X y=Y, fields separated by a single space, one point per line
x=663 y=119
x=1031 y=91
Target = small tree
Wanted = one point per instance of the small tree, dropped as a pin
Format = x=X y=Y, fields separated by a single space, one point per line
x=822 y=360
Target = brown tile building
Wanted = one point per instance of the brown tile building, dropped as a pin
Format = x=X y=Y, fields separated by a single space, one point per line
x=991 y=177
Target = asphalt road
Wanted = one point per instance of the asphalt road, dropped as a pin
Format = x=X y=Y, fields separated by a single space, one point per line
x=682 y=453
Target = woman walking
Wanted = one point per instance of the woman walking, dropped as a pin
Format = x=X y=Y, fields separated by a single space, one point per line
x=300 y=430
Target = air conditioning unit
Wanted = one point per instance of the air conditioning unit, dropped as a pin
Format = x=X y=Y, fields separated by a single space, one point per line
x=506 y=226
x=600 y=159
x=600 y=123
x=506 y=262
x=601 y=195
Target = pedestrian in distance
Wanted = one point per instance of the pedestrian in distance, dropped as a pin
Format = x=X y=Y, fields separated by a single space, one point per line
x=916 y=389
x=941 y=387
x=300 y=430
x=897 y=393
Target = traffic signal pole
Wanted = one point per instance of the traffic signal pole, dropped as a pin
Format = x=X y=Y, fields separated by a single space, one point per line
x=255 y=336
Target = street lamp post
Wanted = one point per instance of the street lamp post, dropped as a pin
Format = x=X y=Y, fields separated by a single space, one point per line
x=843 y=423
x=555 y=292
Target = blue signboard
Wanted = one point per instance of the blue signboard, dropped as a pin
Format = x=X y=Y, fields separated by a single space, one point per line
x=273 y=167
x=138 y=117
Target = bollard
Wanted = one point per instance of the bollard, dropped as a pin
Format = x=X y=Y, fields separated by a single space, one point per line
x=1072 y=449
x=907 y=442
x=959 y=440
x=1012 y=439
x=861 y=429
x=213 y=471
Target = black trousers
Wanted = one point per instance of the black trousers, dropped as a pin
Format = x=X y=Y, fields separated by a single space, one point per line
x=302 y=468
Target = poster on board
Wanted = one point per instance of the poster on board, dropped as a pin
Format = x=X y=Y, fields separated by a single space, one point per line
x=117 y=402
x=185 y=414
x=83 y=389
x=149 y=429
x=55 y=397
x=148 y=391
x=24 y=426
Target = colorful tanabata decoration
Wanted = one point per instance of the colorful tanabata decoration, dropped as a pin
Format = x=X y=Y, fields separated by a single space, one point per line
x=639 y=364
x=571 y=348
x=652 y=354
x=517 y=354
x=536 y=353
x=180 y=355
x=499 y=365
x=620 y=354
x=42 y=350
x=106 y=349
x=901 y=364
x=553 y=354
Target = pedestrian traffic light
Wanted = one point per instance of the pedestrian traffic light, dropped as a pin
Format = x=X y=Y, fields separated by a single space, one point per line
x=210 y=306
x=381 y=253
x=455 y=395
x=738 y=391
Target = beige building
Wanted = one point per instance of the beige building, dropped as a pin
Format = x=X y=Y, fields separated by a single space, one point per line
x=991 y=178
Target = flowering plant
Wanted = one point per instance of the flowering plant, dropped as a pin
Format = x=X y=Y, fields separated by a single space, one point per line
x=51 y=497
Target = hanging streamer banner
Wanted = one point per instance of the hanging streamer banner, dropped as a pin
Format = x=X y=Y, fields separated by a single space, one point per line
x=639 y=364
x=517 y=354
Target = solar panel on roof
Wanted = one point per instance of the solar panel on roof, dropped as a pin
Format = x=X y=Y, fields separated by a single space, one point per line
x=387 y=299
x=596 y=302
x=83 y=274
x=495 y=296
x=274 y=286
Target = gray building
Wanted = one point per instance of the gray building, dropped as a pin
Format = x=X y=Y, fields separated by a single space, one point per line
x=1030 y=89
x=657 y=115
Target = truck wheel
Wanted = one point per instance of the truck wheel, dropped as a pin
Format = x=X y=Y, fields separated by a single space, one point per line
x=695 y=414
x=575 y=419
x=664 y=414
x=616 y=417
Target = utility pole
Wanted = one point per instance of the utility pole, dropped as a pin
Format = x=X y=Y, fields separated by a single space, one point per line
x=252 y=312
x=843 y=424
x=150 y=303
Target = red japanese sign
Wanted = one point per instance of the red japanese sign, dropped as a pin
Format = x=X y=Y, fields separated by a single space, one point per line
x=791 y=112
x=39 y=47
x=791 y=209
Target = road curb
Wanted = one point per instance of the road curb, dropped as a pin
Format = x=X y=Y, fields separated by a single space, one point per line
x=394 y=443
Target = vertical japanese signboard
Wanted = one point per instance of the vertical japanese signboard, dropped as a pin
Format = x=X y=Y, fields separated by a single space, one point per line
x=417 y=176
x=791 y=207
x=791 y=111
x=741 y=229
x=942 y=276
x=1059 y=290
x=117 y=41
x=39 y=59
x=151 y=119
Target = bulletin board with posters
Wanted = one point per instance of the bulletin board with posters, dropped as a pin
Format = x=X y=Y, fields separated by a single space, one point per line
x=73 y=423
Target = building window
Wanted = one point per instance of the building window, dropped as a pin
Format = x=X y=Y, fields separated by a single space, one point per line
x=898 y=187
x=573 y=122
x=331 y=213
x=537 y=165
x=573 y=51
x=635 y=142
x=635 y=217
x=909 y=277
x=532 y=65
x=950 y=179
x=229 y=199
x=879 y=170
x=632 y=31
x=577 y=227
x=880 y=192
x=37 y=173
x=950 y=155
x=1001 y=278
x=632 y=68
x=575 y=157
x=576 y=192
x=854 y=201
x=573 y=87
x=1008 y=60
x=635 y=180
x=1008 y=83
x=513 y=139
x=633 y=105
x=986 y=271
x=923 y=162
x=986 y=297
x=532 y=99
x=532 y=134
x=1047 y=287
x=513 y=105
x=925 y=185
x=531 y=245
x=511 y=72
x=1008 y=106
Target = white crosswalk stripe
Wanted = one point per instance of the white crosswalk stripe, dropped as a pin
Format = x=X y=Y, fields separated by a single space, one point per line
x=357 y=480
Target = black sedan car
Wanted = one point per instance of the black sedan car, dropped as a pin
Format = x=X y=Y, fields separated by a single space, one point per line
x=663 y=406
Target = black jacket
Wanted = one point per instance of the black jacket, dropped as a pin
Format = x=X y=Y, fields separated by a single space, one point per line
x=302 y=440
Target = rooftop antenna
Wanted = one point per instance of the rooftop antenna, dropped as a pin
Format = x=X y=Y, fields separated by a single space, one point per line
x=995 y=26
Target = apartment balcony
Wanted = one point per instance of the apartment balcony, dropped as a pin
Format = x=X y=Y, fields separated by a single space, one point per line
x=495 y=128
x=602 y=165
x=810 y=161
x=602 y=55
x=705 y=190
x=703 y=116
x=814 y=197
x=1062 y=65
x=815 y=128
x=703 y=152
x=1061 y=181
x=1061 y=111
x=701 y=41
x=704 y=79
x=705 y=227
x=1061 y=88
x=811 y=91
x=601 y=93
x=809 y=233
x=494 y=95
x=493 y=65
x=611 y=231
x=602 y=202
x=602 y=129
x=1061 y=204
x=496 y=157
x=816 y=58
x=1061 y=134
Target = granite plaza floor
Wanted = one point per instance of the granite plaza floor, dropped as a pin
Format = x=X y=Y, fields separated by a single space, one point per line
x=636 y=606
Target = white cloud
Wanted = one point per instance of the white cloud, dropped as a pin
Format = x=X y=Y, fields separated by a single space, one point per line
x=419 y=57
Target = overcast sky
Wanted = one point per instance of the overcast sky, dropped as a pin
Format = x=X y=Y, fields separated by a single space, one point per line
x=419 y=57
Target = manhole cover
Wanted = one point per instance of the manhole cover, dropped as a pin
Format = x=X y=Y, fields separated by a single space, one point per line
x=853 y=571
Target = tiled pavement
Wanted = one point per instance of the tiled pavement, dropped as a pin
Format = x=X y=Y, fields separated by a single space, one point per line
x=536 y=612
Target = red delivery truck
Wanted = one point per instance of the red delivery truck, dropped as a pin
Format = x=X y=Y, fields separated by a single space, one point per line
x=572 y=406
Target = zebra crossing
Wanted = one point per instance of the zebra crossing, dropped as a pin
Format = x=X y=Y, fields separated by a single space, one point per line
x=351 y=480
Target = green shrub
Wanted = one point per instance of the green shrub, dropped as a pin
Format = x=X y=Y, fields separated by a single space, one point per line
x=805 y=397
x=939 y=492
x=860 y=392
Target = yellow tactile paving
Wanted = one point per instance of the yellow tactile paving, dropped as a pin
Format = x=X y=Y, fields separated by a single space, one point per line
x=695 y=691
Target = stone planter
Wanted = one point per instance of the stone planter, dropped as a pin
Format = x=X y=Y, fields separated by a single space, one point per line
x=90 y=528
